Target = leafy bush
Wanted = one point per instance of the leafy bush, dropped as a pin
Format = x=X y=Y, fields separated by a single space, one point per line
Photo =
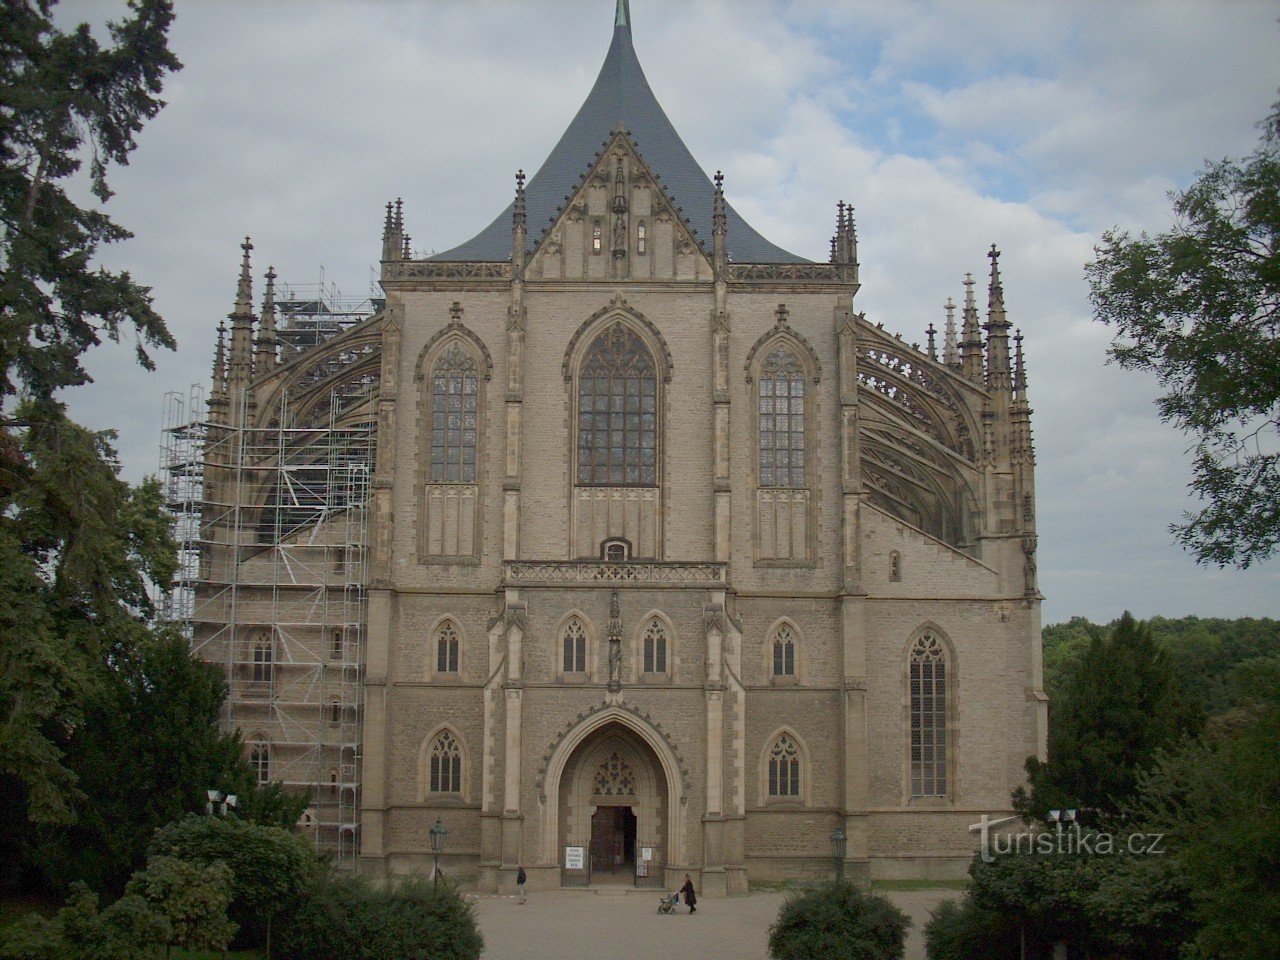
x=271 y=866
x=959 y=930
x=345 y=918
x=193 y=897
x=129 y=929
x=838 y=920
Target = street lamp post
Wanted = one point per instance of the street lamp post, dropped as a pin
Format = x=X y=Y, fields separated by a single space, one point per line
x=839 y=844
x=437 y=847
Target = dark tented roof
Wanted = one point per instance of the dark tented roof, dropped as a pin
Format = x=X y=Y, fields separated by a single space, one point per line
x=621 y=95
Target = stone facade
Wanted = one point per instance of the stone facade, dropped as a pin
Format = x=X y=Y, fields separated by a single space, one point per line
x=674 y=553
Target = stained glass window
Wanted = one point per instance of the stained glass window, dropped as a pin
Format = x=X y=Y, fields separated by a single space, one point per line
x=575 y=647
x=446 y=764
x=782 y=452
x=784 y=768
x=655 y=647
x=928 y=718
x=455 y=385
x=617 y=412
x=784 y=652
x=447 y=648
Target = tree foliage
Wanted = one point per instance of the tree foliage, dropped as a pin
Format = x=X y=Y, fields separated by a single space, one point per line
x=1199 y=306
x=1121 y=702
x=838 y=920
x=129 y=929
x=272 y=867
x=67 y=96
x=192 y=897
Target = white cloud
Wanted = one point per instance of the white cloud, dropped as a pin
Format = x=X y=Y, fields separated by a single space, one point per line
x=949 y=126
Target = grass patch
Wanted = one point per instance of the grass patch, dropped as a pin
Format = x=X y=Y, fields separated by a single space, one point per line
x=899 y=885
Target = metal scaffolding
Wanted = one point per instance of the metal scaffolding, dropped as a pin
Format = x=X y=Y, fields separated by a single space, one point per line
x=272 y=524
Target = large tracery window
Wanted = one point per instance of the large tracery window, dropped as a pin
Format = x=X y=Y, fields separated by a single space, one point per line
x=260 y=762
x=781 y=398
x=455 y=382
x=784 y=767
x=928 y=717
x=617 y=412
x=446 y=764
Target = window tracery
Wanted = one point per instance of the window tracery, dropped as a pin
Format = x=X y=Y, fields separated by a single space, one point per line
x=614 y=778
x=617 y=412
x=784 y=767
x=784 y=651
x=781 y=395
x=928 y=694
x=260 y=762
x=655 y=647
x=455 y=385
x=446 y=763
x=263 y=660
x=447 y=648
x=575 y=647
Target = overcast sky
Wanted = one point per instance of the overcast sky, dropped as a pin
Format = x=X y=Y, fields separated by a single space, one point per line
x=1035 y=126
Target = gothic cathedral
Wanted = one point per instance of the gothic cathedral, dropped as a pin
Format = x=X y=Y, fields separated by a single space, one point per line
x=615 y=543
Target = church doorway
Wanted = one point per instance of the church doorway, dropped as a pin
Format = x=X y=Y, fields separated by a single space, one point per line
x=613 y=841
x=613 y=801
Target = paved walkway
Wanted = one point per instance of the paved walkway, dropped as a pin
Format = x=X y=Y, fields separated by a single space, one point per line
x=621 y=922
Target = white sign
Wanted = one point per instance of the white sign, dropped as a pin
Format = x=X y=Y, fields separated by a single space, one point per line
x=646 y=853
x=573 y=857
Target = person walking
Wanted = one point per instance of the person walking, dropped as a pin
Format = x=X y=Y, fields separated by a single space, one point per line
x=690 y=896
x=521 y=877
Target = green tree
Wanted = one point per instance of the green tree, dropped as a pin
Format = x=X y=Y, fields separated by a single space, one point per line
x=146 y=752
x=838 y=920
x=66 y=98
x=272 y=867
x=1199 y=306
x=1216 y=801
x=76 y=543
x=1120 y=703
x=192 y=897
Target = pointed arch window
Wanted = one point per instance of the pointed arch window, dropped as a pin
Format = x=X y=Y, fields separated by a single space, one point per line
x=784 y=651
x=617 y=412
x=260 y=762
x=784 y=767
x=446 y=763
x=655 y=647
x=929 y=702
x=263 y=660
x=575 y=647
x=781 y=408
x=455 y=389
x=447 y=648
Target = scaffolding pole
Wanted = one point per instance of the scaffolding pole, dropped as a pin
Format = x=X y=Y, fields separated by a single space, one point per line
x=271 y=520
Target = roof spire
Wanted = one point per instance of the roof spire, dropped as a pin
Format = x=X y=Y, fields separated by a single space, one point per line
x=950 y=351
x=997 y=328
x=622 y=17
x=265 y=354
x=971 y=336
x=931 y=333
x=244 y=287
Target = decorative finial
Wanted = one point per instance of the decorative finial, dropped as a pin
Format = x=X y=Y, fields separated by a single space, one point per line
x=399 y=218
x=622 y=16
x=387 y=225
x=406 y=250
x=930 y=332
x=455 y=312
x=719 y=217
x=1019 y=369
x=781 y=314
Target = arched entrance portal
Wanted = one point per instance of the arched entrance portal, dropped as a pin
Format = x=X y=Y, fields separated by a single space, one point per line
x=613 y=800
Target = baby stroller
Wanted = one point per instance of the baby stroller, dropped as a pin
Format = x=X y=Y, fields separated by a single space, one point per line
x=668 y=904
